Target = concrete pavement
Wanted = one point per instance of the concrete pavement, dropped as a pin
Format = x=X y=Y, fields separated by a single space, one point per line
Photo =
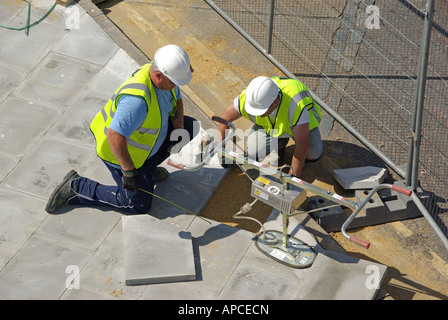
x=52 y=83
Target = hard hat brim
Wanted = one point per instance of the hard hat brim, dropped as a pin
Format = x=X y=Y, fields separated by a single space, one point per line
x=181 y=82
x=255 y=111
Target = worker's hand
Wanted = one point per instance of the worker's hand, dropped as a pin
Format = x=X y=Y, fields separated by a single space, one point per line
x=131 y=180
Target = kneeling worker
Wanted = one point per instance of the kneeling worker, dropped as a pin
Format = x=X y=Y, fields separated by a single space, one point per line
x=132 y=134
x=281 y=108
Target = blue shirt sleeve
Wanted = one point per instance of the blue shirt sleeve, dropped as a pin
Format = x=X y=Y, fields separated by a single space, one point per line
x=130 y=114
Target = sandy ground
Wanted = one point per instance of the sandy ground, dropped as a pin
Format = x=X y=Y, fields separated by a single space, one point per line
x=418 y=268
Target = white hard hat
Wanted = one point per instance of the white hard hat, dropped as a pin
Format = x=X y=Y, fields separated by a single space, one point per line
x=174 y=63
x=260 y=94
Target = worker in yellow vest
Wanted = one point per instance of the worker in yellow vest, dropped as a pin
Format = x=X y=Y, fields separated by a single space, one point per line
x=132 y=134
x=280 y=109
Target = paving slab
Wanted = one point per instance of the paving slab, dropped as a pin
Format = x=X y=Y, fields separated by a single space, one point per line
x=23 y=124
x=20 y=215
x=56 y=81
x=74 y=125
x=156 y=251
x=45 y=166
x=38 y=271
x=366 y=177
x=104 y=272
x=9 y=79
x=87 y=42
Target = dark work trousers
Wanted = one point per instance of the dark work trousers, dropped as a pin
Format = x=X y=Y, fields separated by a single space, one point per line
x=92 y=193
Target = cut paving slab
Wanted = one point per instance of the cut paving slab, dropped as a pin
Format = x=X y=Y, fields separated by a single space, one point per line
x=156 y=251
x=360 y=178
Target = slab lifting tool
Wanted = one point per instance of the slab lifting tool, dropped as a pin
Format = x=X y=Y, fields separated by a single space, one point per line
x=273 y=188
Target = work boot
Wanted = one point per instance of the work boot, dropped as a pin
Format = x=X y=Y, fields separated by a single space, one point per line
x=62 y=193
x=161 y=174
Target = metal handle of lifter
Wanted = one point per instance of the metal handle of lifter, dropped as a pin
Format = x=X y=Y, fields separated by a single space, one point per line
x=212 y=153
x=355 y=240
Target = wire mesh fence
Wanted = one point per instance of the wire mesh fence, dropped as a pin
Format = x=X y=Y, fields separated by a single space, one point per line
x=362 y=57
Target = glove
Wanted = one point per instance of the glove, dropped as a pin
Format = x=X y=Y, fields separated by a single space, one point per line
x=131 y=180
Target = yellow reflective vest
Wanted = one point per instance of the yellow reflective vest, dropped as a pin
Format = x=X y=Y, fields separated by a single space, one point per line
x=141 y=142
x=295 y=98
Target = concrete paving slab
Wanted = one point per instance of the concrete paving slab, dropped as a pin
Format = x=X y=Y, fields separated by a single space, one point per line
x=112 y=75
x=219 y=249
x=104 y=272
x=8 y=163
x=9 y=80
x=20 y=215
x=156 y=251
x=83 y=226
x=56 y=81
x=74 y=125
x=339 y=277
x=178 y=291
x=185 y=193
x=10 y=9
x=89 y=43
x=45 y=166
x=366 y=177
x=22 y=124
x=250 y=283
x=26 y=52
x=332 y=276
x=39 y=269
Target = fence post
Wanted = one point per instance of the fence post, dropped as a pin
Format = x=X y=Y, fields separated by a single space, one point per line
x=415 y=140
x=270 y=26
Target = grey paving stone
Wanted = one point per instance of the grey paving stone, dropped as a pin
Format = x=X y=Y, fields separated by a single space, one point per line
x=156 y=251
x=178 y=291
x=20 y=215
x=182 y=192
x=10 y=9
x=74 y=125
x=25 y=52
x=219 y=249
x=340 y=277
x=56 y=81
x=340 y=36
x=104 y=272
x=8 y=162
x=98 y=171
x=89 y=43
x=22 y=124
x=39 y=269
x=86 y=294
x=366 y=177
x=43 y=169
x=357 y=35
x=10 y=78
x=114 y=73
x=85 y=227
x=64 y=17
x=251 y=283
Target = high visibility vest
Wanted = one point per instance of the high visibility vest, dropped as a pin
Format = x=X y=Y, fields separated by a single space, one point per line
x=295 y=99
x=141 y=141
